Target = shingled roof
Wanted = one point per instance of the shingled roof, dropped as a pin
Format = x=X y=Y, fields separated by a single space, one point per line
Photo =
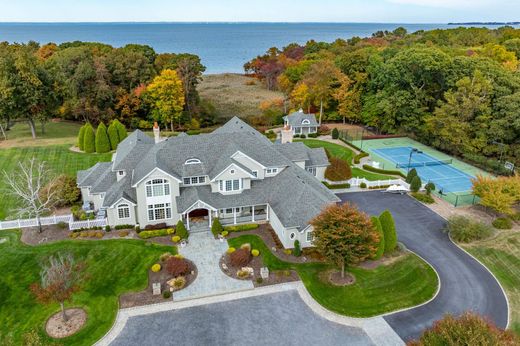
x=296 y=119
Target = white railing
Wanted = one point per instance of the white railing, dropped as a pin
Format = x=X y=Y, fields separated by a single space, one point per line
x=44 y=221
x=75 y=225
x=355 y=182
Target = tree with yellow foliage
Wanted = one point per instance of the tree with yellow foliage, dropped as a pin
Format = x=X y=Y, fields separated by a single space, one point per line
x=167 y=95
x=499 y=194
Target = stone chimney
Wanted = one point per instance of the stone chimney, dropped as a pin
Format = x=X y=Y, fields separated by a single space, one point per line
x=287 y=134
x=156 y=132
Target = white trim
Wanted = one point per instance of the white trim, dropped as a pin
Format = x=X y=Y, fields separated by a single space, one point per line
x=154 y=170
x=235 y=166
x=122 y=199
x=192 y=161
x=199 y=205
x=249 y=157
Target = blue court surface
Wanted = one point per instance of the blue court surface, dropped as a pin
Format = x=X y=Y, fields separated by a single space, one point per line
x=445 y=177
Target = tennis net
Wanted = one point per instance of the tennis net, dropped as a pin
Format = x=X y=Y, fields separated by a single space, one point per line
x=423 y=164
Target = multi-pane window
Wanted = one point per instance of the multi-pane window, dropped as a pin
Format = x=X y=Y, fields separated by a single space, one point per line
x=312 y=170
x=255 y=174
x=160 y=211
x=272 y=170
x=194 y=180
x=310 y=236
x=157 y=187
x=123 y=211
x=230 y=185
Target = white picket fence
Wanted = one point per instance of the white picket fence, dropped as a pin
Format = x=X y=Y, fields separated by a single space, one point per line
x=53 y=220
x=356 y=182
x=45 y=221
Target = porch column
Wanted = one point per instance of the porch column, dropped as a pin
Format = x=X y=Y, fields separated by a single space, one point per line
x=267 y=212
x=188 y=220
x=252 y=213
x=234 y=216
x=209 y=213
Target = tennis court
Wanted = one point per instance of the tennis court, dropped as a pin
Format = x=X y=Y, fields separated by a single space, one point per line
x=445 y=177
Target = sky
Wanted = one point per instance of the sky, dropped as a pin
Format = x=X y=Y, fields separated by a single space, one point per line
x=382 y=11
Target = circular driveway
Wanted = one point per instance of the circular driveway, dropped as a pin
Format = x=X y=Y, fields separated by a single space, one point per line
x=273 y=319
x=465 y=283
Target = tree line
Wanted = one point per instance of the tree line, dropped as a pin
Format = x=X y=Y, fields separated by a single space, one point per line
x=457 y=89
x=95 y=82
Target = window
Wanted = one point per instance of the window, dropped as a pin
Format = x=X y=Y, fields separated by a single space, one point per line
x=229 y=211
x=192 y=161
x=306 y=122
x=186 y=181
x=123 y=211
x=232 y=171
x=297 y=130
x=292 y=235
x=202 y=180
x=255 y=174
x=161 y=211
x=120 y=172
x=312 y=170
x=157 y=187
x=310 y=236
x=194 y=180
x=230 y=185
x=272 y=170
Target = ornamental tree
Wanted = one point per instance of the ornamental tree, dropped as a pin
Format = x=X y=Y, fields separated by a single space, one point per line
x=388 y=225
x=411 y=174
x=167 y=95
x=216 y=227
x=113 y=135
x=102 y=141
x=121 y=130
x=499 y=194
x=59 y=279
x=381 y=245
x=338 y=170
x=89 y=140
x=415 y=184
x=344 y=235
x=81 y=137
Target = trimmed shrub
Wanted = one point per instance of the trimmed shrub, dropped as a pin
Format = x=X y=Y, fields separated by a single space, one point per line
x=255 y=253
x=181 y=230
x=421 y=197
x=336 y=186
x=468 y=329
x=118 y=227
x=502 y=223
x=230 y=250
x=107 y=228
x=429 y=188
x=113 y=135
x=388 y=226
x=313 y=135
x=358 y=157
x=246 y=246
x=410 y=175
x=224 y=233
x=178 y=283
x=178 y=255
x=122 y=234
x=338 y=170
x=156 y=268
x=155 y=233
x=177 y=266
x=165 y=256
x=167 y=294
x=335 y=133
x=381 y=245
x=81 y=137
x=363 y=185
x=297 y=249
x=89 y=139
x=383 y=171
x=303 y=136
x=161 y=225
x=121 y=131
x=176 y=239
x=102 y=141
x=240 y=257
x=465 y=230
x=216 y=227
x=241 y=228
x=416 y=183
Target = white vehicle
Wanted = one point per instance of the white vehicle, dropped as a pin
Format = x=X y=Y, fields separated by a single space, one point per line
x=397 y=189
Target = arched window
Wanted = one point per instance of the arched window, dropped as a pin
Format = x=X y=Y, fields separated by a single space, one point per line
x=123 y=211
x=306 y=122
x=157 y=187
x=192 y=161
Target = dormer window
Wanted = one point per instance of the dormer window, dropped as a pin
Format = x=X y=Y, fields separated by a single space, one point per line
x=271 y=170
x=306 y=122
x=120 y=173
x=192 y=161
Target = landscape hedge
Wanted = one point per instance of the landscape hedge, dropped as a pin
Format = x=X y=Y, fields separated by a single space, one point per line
x=113 y=135
x=241 y=228
x=89 y=139
x=156 y=233
x=81 y=137
x=181 y=230
x=336 y=186
x=358 y=157
x=383 y=171
x=381 y=245
x=121 y=130
x=388 y=225
x=102 y=141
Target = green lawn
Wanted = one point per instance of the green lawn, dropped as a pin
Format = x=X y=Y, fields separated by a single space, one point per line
x=113 y=267
x=58 y=157
x=502 y=256
x=408 y=282
x=346 y=154
x=61 y=129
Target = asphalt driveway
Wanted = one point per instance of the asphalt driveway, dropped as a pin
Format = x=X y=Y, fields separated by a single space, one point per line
x=465 y=283
x=273 y=319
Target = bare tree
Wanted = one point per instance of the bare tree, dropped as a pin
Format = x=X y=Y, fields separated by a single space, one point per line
x=29 y=184
x=60 y=278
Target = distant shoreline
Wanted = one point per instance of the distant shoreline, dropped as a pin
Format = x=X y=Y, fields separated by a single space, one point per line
x=486 y=23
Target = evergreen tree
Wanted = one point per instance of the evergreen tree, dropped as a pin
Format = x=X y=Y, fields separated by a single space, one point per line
x=81 y=137
x=89 y=140
x=121 y=130
x=216 y=227
x=381 y=246
x=297 y=248
x=102 y=141
x=411 y=174
x=113 y=135
x=388 y=225
x=181 y=230
x=416 y=184
x=335 y=133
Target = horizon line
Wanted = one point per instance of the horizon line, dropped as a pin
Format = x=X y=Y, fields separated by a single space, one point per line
x=223 y=22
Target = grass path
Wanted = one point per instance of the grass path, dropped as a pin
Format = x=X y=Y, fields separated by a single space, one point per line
x=113 y=267
x=405 y=283
x=58 y=157
x=502 y=256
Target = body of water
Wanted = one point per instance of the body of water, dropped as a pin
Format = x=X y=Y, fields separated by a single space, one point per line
x=223 y=47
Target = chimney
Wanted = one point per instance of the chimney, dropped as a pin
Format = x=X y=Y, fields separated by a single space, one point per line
x=156 y=132
x=287 y=134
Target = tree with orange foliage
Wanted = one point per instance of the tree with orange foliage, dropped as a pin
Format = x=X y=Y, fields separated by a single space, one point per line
x=344 y=235
x=60 y=278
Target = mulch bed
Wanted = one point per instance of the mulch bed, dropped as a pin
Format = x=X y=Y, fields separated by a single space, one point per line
x=146 y=297
x=385 y=260
x=334 y=277
x=57 y=328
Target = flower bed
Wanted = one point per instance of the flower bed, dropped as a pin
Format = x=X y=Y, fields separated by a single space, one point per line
x=156 y=233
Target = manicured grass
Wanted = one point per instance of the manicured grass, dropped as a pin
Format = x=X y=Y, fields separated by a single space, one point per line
x=113 y=267
x=502 y=256
x=58 y=157
x=63 y=132
x=361 y=173
x=408 y=282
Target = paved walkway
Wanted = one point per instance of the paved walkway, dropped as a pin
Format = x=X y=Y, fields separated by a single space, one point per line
x=205 y=252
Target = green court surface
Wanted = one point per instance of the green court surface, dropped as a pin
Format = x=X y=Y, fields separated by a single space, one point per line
x=457 y=198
